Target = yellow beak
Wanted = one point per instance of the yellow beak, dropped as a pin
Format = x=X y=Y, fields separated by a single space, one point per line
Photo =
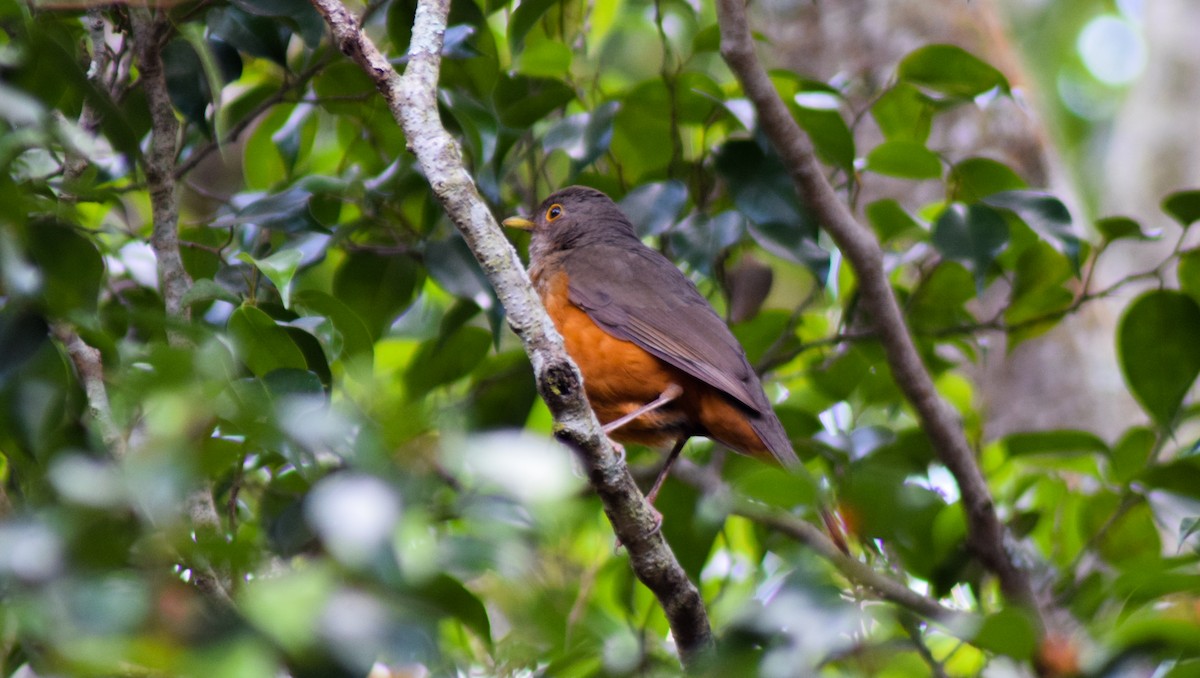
x=518 y=222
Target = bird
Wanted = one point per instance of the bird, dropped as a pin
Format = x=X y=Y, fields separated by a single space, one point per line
x=659 y=365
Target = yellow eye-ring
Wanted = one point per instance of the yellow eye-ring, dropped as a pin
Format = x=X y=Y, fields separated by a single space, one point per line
x=554 y=212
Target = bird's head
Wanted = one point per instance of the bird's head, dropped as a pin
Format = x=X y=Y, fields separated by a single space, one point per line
x=572 y=217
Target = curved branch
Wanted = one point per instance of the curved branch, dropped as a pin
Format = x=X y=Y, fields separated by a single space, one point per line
x=811 y=536
x=986 y=534
x=412 y=99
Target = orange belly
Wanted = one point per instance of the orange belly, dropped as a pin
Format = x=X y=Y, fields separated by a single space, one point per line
x=619 y=377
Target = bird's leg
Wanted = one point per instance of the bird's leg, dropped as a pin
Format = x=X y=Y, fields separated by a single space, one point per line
x=672 y=392
x=662 y=475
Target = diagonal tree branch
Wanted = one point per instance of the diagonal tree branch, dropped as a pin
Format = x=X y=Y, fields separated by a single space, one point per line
x=412 y=98
x=986 y=535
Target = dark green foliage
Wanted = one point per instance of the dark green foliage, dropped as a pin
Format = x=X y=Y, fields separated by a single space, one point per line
x=347 y=386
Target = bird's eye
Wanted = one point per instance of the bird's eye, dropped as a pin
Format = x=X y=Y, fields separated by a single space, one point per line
x=554 y=212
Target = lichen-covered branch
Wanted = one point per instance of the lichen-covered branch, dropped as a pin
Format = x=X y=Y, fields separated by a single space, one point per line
x=986 y=535
x=412 y=98
x=150 y=31
x=91 y=373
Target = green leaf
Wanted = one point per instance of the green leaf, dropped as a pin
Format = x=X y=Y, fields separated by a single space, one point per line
x=1180 y=476
x=254 y=35
x=940 y=299
x=1118 y=228
x=503 y=391
x=279 y=268
x=71 y=267
x=356 y=337
x=950 y=71
x=1061 y=442
x=206 y=289
x=700 y=239
x=261 y=344
x=1132 y=451
x=891 y=221
x=974 y=179
x=904 y=159
x=653 y=208
x=1009 y=632
x=1183 y=207
x=1046 y=215
x=762 y=190
x=974 y=235
x=288 y=607
x=442 y=360
x=1188 y=270
x=524 y=17
x=903 y=113
x=1158 y=343
x=377 y=287
x=521 y=101
x=1038 y=289
x=186 y=81
x=827 y=129
x=448 y=594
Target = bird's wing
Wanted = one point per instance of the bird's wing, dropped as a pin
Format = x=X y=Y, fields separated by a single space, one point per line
x=638 y=295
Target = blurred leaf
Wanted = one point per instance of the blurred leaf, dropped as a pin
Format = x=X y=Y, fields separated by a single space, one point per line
x=889 y=220
x=939 y=302
x=186 y=81
x=1039 y=290
x=22 y=333
x=950 y=71
x=973 y=234
x=456 y=270
x=279 y=268
x=904 y=159
x=974 y=179
x=1132 y=452
x=1183 y=207
x=903 y=113
x=700 y=239
x=356 y=336
x=1118 y=228
x=585 y=137
x=261 y=344
x=502 y=392
x=1188 y=270
x=653 y=207
x=1159 y=352
x=1180 y=476
x=830 y=136
x=521 y=101
x=763 y=193
x=287 y=608
x=71 y=267
x=1009 y=632
x=254 y=35
x=442 y=360
x=524 y=17
x=449 y=595
x=377 y=287
x=1061 y=442
x=1046 y=215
